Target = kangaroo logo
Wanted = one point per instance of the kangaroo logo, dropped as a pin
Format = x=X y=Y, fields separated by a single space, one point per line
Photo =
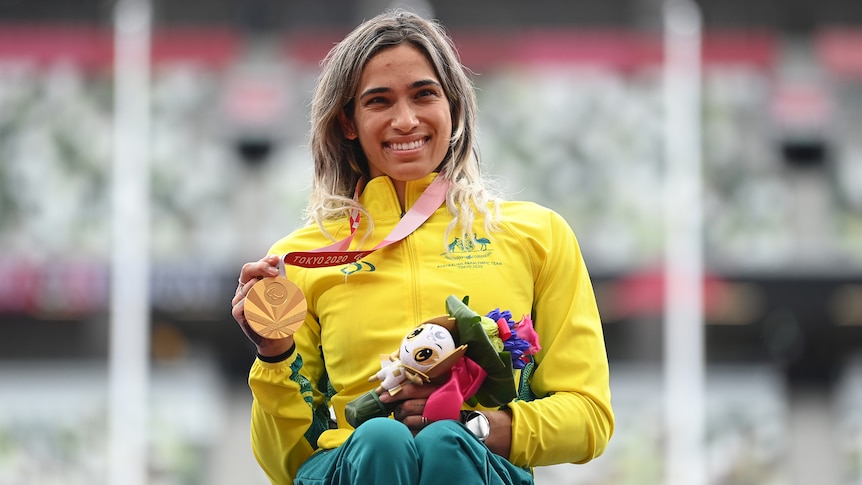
x=454 y=244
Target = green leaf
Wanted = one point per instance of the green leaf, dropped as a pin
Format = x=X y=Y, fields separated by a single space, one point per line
x=498 y=387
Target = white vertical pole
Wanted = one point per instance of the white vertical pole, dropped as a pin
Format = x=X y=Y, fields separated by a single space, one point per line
x=684 y=353
x=128 y=354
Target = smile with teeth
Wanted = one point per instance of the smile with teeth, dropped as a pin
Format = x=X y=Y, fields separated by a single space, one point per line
x=408 y=146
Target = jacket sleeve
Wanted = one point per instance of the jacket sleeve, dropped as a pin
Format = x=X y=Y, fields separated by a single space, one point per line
x=280 y=416
x=572 y=419
x=289 y=410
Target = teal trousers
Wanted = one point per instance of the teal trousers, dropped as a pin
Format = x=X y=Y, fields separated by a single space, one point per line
x=384 y=451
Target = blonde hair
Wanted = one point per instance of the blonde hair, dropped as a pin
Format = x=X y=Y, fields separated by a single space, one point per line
x=339 y=162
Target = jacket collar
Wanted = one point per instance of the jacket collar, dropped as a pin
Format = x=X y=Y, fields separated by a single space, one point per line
x=381 y=200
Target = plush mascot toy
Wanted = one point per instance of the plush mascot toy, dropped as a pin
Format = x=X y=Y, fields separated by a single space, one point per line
x=425 y=353
x=461 y=352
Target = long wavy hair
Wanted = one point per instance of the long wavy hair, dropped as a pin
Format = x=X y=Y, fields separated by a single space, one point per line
x=339 y=163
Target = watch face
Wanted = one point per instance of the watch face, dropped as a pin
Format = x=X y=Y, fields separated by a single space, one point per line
x=478 y=424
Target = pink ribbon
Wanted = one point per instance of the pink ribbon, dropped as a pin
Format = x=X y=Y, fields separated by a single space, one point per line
x=445 y=402
x=337 y=254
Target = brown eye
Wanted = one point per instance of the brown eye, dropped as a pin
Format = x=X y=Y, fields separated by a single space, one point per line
x=423 y=354
x=415 y=333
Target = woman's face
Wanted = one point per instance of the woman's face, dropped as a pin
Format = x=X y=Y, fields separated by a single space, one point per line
x=401 y=115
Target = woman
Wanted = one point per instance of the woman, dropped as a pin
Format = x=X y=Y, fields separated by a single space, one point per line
x=395 y=107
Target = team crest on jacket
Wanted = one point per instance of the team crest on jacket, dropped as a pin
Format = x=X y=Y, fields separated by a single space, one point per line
x=469 y=245
x=467 y=249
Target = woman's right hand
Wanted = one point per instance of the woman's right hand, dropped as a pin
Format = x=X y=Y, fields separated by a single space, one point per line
x=250 y=274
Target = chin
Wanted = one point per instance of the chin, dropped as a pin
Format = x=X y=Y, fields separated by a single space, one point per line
x=410 y=174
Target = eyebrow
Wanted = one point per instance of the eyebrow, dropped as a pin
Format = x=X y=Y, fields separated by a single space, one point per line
x=414 y=85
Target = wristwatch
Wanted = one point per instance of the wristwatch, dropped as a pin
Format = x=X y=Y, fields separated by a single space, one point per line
x=477 y=423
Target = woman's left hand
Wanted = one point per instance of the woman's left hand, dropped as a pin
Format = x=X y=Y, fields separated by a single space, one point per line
x=412 y=399
x=412 y=404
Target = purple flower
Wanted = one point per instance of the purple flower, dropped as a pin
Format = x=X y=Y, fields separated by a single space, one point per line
x=512 y=334
x=496 y=314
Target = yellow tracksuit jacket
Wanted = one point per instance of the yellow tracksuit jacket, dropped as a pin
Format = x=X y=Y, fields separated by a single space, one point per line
x=531 y=265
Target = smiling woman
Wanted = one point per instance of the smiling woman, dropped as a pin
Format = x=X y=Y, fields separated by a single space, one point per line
x=401 y=118
x=392 y=138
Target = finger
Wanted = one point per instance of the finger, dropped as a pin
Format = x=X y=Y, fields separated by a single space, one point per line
x=242 y=290
x=416 y=423
x=412 y=391
x=406 y=413
x=417 y=406
x=237 y=305
x=409 y=408
x=238 y=310
x=245 y=273
x=238 y=313
x=245 y=287
x=265 y=267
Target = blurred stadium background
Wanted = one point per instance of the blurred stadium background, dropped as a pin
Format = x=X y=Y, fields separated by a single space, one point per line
x=571 y=116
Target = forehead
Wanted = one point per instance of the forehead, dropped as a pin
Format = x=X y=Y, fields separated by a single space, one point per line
x=404 y=62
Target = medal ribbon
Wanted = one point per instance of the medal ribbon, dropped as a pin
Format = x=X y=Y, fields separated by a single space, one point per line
x=337 y=254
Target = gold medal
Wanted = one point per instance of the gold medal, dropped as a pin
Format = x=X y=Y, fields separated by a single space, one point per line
x=275 y=307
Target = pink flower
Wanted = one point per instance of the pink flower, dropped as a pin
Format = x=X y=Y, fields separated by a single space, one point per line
x=524 y=330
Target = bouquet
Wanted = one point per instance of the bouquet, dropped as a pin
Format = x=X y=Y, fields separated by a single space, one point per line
x=475 y=367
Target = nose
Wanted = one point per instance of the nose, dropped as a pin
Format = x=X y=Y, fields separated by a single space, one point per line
x=404 y=117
